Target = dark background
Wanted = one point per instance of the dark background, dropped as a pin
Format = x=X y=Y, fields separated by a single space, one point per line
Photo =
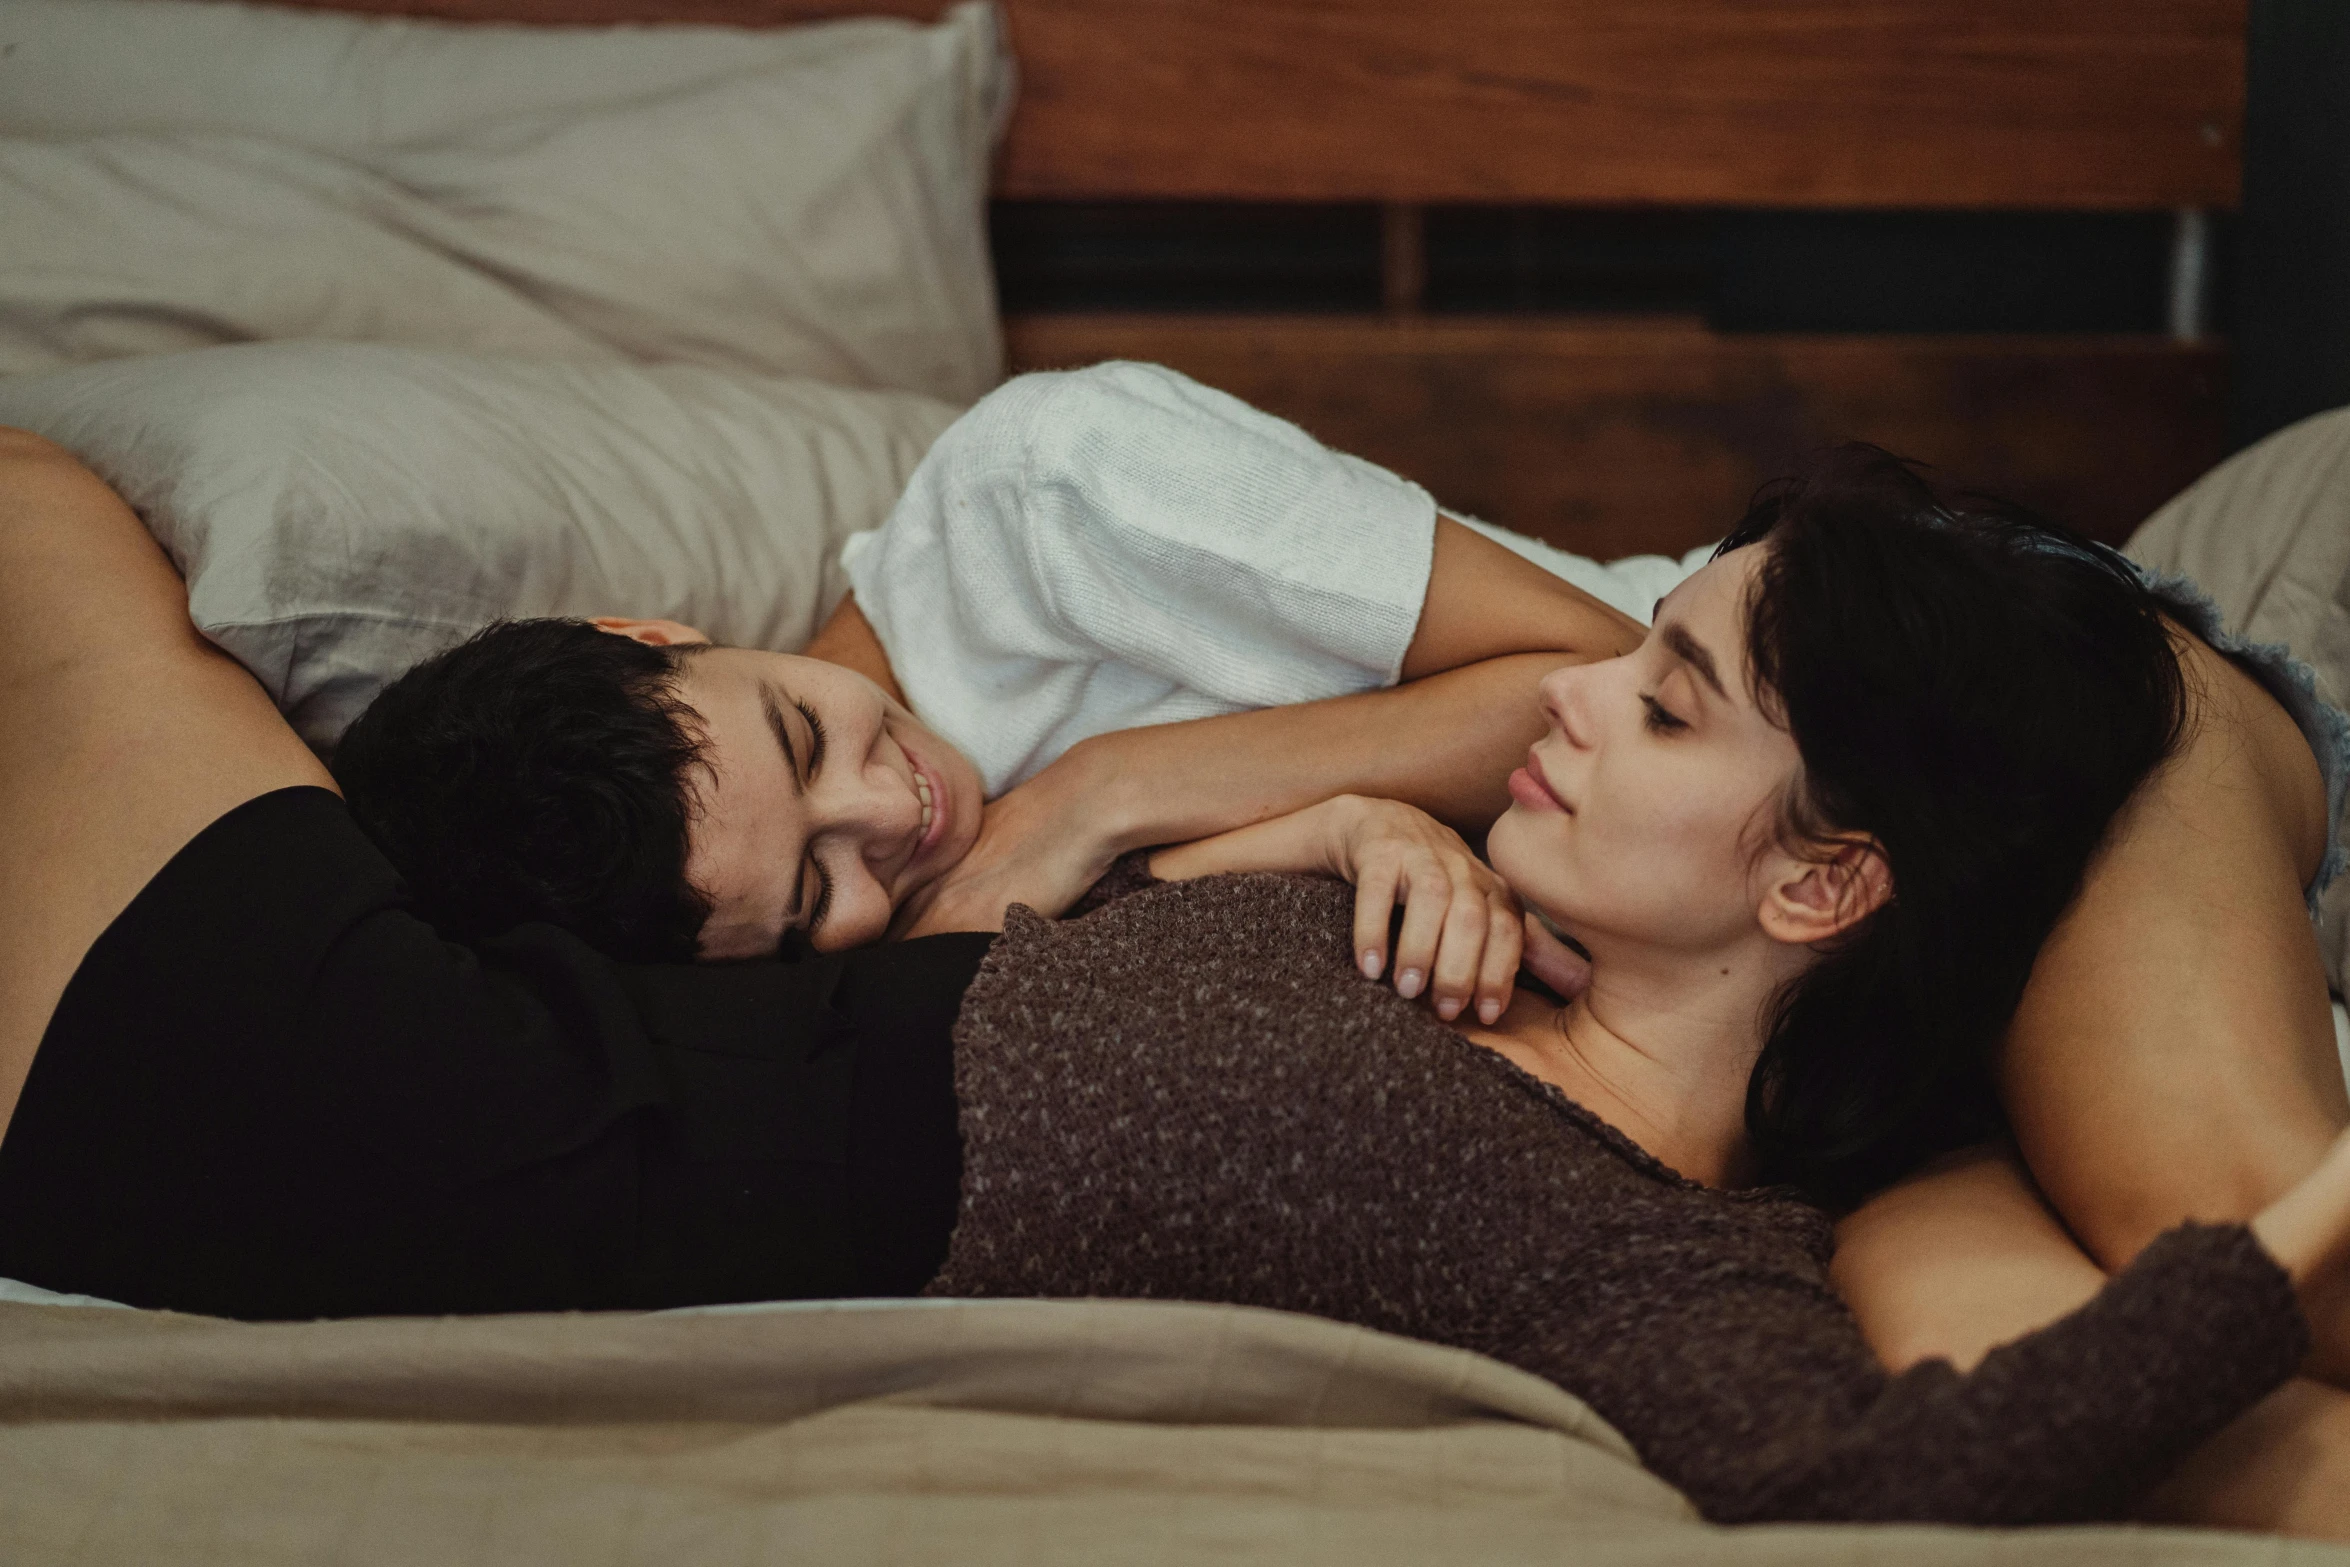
x=2280 y=266
x=2288 y=291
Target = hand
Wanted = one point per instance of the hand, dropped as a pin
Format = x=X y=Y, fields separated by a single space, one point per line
x=1462 y=930
x=1033 y=848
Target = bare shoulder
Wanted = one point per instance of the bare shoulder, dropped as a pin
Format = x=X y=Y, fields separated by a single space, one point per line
x=18 y=445
x=128 y=732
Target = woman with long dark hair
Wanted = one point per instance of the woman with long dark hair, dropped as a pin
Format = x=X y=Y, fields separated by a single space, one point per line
x=1810 y=832
x=1812 y=835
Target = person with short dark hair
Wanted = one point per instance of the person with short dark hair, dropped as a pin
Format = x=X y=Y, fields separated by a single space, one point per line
x=1065 y=643
x=543 y=766
x=242 y=1076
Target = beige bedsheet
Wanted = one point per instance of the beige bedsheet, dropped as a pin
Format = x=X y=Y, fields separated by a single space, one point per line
x=968 y=1432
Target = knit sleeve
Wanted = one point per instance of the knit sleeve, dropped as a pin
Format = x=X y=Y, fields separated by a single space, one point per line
x=1100 y=549
x=1128 y=874
x=1760 y=1399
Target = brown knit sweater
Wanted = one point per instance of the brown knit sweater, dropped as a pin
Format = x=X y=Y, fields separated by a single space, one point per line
x=1191 y=1094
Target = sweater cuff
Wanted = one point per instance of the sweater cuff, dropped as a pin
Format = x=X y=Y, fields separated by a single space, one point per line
x=2225 y=1304
x=1128 y=874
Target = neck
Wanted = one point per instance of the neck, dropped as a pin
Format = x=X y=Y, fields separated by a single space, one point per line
x=1660 y=1047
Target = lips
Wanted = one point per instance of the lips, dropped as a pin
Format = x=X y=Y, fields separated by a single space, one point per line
x=1531 y=789
x=938 y=809
x=929 y=811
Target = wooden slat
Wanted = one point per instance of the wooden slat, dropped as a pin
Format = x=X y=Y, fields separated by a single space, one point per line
x=2088 y=104
x=1614 y=438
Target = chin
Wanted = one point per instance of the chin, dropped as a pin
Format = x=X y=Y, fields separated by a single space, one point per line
x=1517 y=853
x=1507 y=845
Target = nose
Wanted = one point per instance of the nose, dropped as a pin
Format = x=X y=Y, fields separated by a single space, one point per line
x=1563 y=693
x=864 y=826
x=872 y=807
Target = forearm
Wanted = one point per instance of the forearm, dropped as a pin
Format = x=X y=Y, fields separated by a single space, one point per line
x=1299 y=841
x=1492 y=625
x=1445 y=744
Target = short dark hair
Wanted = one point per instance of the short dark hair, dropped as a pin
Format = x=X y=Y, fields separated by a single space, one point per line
x=1980 y=691
x=540 y=770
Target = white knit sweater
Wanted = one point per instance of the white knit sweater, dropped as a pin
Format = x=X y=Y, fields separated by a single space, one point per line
x=1099 y=549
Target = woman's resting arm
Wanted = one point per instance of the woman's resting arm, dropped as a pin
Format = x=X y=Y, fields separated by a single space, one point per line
x=1965 y=1255
x=127 y=732
x=2088 y=1411
x=1763 y=1402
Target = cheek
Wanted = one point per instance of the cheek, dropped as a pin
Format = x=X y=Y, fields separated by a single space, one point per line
x=858 y=917
x=1659 y=849
x=860 y=912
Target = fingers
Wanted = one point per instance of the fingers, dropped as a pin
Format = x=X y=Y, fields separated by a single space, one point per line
x=1427 y=894
x=1460 y=940
x=1497 y=975
x=1460 y=953
x=1375 y=892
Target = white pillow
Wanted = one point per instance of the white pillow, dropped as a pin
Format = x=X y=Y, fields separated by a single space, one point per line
x=343 y=510
x=807 y=201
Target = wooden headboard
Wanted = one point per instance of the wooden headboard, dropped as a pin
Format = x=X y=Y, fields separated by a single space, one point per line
x=1604 y=433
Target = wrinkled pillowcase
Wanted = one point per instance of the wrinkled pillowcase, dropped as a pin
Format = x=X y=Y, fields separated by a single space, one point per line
x=809 y=201
x=343 y=510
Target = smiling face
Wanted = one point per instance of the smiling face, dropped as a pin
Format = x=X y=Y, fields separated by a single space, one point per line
x=821 y=804
x=1645 y=815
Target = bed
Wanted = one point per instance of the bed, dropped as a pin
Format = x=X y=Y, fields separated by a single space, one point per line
x=1100 y=1431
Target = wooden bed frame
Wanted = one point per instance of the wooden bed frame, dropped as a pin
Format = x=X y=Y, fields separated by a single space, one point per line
x=1606 y=434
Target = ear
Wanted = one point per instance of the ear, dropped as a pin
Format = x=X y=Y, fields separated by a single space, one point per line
x=1811 y=899
x=659 y=633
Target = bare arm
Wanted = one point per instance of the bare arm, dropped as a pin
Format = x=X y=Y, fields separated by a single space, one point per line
x=848 y=639
x=1444 y=741
x=1965 y=1256
x=128 y=732
x=1487 y=602
x=2173 y=1056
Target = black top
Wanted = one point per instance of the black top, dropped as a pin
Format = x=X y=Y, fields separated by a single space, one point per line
x=272 y=1091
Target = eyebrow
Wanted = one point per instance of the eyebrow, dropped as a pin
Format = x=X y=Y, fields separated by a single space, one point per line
x=1692 y=652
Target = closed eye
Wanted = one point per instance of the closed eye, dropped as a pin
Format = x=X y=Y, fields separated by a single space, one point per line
x=816 y=749
x=1660 y=721
x=823 y=898
x=815 y=738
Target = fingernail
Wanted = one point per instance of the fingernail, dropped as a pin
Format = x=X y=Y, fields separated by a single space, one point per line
x=1373 y=960
x=1407 y=983
x=1448 y=1009
x=1489 y=1011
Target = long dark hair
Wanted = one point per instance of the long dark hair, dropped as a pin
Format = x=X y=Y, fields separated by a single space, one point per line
x=1979 y=690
